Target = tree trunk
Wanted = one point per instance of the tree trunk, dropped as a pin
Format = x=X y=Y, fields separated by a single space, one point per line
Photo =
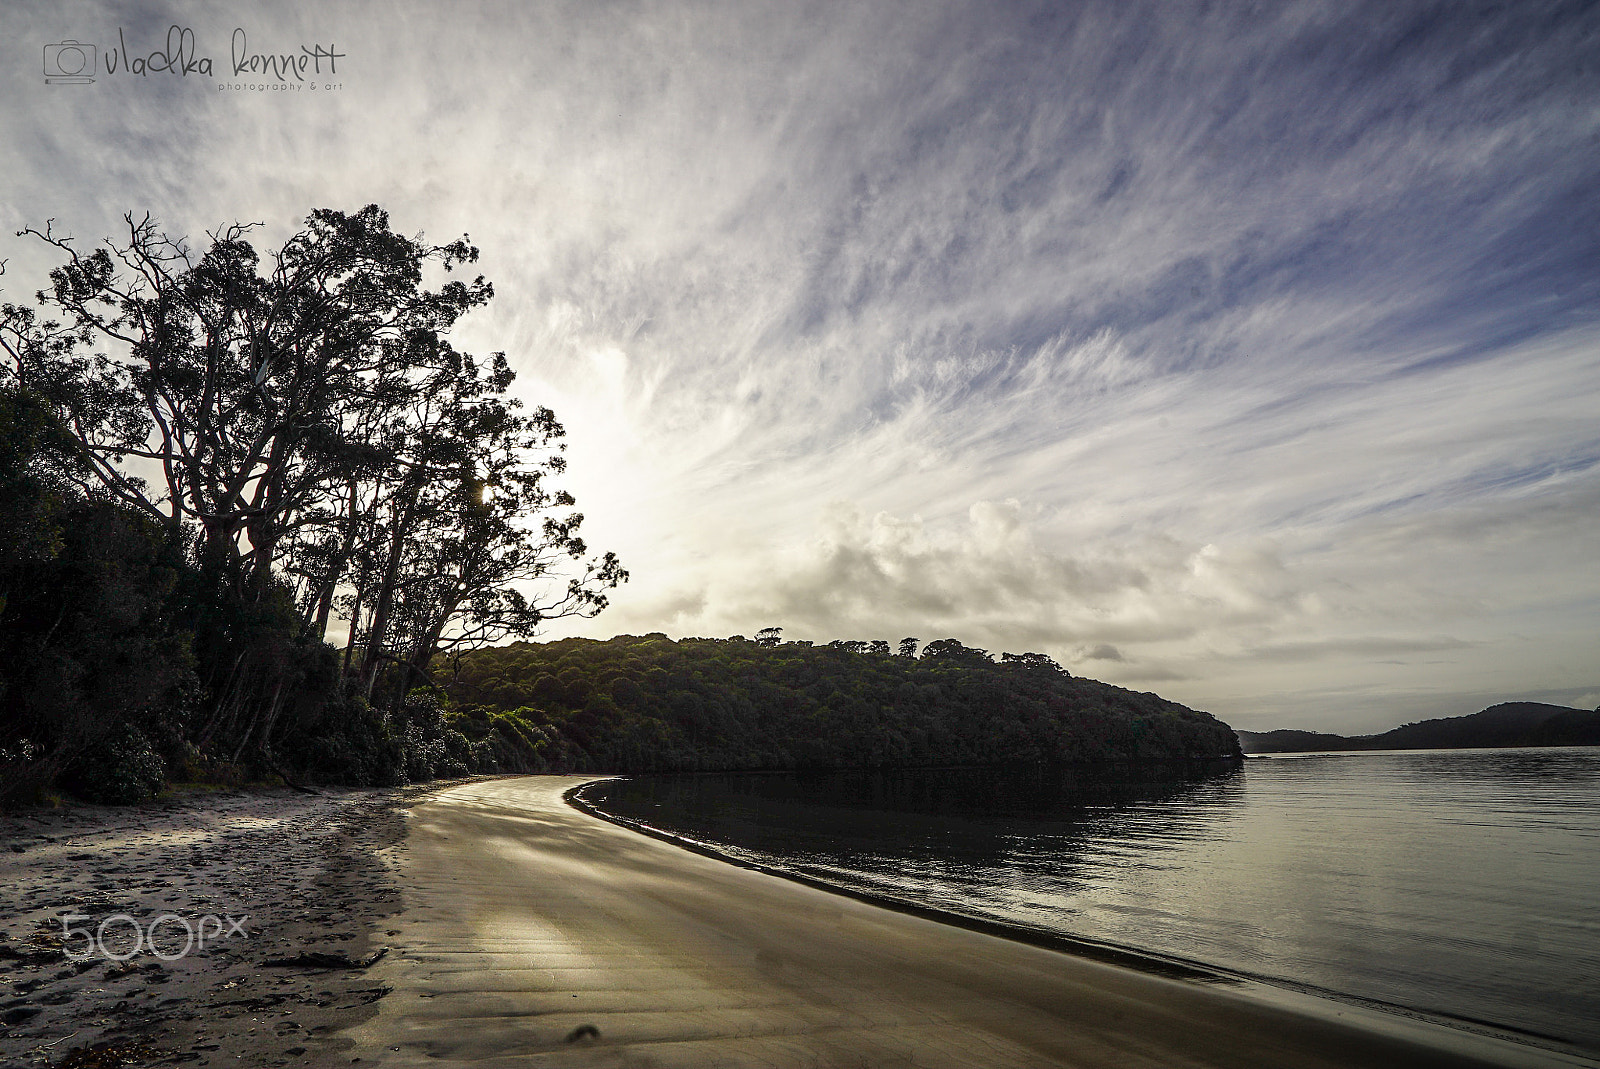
x=330 y=584
x=380 y=612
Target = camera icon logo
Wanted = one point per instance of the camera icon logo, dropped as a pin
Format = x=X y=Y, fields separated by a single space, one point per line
x=69 y=63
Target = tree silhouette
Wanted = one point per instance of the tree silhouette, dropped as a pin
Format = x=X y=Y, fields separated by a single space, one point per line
x=304 y=422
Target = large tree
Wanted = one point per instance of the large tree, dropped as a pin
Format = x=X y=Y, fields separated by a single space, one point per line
x=303 y=420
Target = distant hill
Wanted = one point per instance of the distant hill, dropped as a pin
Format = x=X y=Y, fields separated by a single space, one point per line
x=1290 y=741
x=646 y=703
x=1506 y=724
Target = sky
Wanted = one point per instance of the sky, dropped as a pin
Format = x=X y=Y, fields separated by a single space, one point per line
x=1242 y=352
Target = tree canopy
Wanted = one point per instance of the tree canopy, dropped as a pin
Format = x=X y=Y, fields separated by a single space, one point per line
x=648 y=703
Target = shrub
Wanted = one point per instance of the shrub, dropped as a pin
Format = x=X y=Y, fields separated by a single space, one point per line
x=119 y=769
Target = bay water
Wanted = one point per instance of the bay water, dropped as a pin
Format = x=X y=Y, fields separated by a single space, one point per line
x=1462 y=885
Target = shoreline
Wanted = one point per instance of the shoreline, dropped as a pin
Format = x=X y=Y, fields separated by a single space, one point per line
x=1273 y=990
x=1110 y=953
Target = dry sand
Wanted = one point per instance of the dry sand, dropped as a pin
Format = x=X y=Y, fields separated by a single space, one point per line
x=526 y=933
x=296 y=874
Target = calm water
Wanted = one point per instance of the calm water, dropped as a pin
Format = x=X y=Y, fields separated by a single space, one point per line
x=1461 y=883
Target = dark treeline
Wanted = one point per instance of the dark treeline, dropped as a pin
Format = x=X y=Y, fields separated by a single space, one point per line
x=210 y=457
x=649 y=704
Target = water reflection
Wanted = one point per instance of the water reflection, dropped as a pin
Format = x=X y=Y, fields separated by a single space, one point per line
x=910 y=830
x=1039 y=792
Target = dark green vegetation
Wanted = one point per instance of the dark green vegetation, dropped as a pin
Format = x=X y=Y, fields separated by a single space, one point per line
x=648 y=704
x=1507 y=724
x=207 y=458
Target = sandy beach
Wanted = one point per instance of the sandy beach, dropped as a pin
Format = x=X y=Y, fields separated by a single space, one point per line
x=283 y=875
x=492 y=923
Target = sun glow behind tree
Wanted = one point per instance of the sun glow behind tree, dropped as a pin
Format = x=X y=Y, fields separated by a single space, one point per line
x=315 y=435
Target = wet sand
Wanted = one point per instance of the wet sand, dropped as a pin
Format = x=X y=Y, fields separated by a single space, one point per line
x=534 y=934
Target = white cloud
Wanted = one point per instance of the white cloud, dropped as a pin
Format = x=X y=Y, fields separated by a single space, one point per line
x=988 y=582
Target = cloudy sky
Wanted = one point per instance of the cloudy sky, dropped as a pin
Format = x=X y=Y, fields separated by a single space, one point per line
x=1244 y=352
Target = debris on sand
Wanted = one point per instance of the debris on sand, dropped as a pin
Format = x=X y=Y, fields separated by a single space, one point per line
x=318 y=959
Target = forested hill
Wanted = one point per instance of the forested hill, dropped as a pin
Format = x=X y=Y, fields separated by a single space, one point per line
x=1506 y=724
x=648 y=703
